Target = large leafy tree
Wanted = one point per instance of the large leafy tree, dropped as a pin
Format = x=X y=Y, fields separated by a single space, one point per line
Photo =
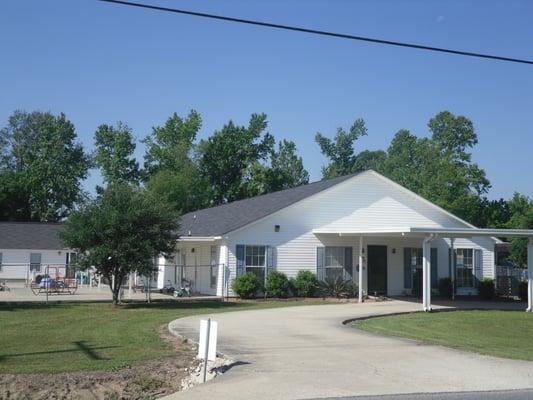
x=440 y=168
x=285 y=170
x=41 y=167
x=114 y=153
x=120 y=232
x=171 y=163
x=230 y=154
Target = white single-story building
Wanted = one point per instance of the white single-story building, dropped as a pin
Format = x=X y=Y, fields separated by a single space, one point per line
x=28 y=248
x=363 y=227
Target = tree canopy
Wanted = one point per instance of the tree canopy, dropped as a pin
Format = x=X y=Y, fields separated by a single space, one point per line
x=41 y=167
x=114 y=153
x=229 y=155
x=121 y=231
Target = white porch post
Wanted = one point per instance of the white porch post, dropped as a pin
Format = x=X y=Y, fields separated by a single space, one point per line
x=530 y=275
x=452 y=272
x=360 y=269
x=426 y=274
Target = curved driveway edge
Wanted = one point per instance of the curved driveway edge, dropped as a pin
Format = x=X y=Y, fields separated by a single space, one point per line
x=306 y=352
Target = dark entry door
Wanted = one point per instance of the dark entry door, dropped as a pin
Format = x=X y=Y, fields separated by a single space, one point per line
x=377 y=270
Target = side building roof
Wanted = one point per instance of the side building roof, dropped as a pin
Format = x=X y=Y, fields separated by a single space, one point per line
x=31 y=235
x=216 y=221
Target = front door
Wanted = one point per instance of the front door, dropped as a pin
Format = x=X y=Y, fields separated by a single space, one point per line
x=377 y=270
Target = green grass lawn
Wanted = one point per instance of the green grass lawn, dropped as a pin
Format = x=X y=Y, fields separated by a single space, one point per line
x=497 y=333
x=73 y=337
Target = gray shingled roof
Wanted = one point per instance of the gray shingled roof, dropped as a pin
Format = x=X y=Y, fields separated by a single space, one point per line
x=216 y=221
x=30 y=235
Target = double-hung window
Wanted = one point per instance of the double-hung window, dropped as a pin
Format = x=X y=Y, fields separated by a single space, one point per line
x=35 y=262
x=255 y=260
x=464 y=267
x=334 y=262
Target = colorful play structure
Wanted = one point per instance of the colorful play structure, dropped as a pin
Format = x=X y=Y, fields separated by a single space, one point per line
x=55 y=280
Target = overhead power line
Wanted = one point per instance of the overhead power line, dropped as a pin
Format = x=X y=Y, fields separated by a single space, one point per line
x=320 y=32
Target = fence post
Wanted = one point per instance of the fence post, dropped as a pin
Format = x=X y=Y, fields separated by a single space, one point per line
x=47 y=282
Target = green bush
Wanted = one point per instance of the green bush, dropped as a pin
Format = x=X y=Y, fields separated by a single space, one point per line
x=487 y=290
x=445 y=288
x=277 y=284
x=305 y=284
x=522 y=290
x=246 y=286
x=338 y=287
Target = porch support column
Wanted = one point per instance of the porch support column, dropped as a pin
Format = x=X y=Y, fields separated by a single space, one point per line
x=426 y=274
x=530 y=275
x=452 y=263
x=360 y=269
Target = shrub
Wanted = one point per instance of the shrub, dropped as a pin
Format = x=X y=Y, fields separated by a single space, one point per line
x=445 y=288
x=246 y=286
x=487 y=290
x=305 y=284
x=277 y=284
x=337 y=287
x=522 y=290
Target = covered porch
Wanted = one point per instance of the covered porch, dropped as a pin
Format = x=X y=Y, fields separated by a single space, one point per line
x=434 y=247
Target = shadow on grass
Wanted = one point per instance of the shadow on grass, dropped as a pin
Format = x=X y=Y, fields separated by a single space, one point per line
x=88 y=350
x=161 y=305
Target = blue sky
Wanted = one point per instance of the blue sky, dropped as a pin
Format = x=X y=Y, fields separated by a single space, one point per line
x=101 y=63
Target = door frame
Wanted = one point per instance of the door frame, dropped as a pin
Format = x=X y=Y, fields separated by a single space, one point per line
x=386 y=266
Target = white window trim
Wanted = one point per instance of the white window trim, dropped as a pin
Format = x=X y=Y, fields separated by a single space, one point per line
x=334 y=267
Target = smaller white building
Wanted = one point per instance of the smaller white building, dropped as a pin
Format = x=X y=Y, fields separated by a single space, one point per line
x=30 y=248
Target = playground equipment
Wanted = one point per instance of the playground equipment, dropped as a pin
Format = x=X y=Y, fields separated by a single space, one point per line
x=55 y=280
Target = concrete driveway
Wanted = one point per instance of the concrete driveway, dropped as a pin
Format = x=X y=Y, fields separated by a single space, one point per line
x=305 y=352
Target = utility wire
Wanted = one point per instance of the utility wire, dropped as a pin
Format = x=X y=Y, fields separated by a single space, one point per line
x=319 y=32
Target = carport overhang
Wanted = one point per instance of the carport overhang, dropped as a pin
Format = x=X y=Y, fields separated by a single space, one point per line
x=427 y=235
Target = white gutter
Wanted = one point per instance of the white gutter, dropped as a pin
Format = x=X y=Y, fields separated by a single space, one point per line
x=199 y=238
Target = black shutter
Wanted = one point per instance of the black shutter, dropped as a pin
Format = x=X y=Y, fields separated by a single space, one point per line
x=348 y=263
x=239 y=253
x=320 y=271
x=407 y=270
x=434 y=268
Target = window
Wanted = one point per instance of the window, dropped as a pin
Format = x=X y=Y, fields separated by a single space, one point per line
x=255 y=260
x=416 y=258
x=0 y=262
x=35 y=262
x=464 y=266
x=214 y=266
x=334 y=262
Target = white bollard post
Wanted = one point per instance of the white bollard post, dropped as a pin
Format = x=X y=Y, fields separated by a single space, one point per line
x=206 y=354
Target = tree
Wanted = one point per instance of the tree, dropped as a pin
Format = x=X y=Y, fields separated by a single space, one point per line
x=114 y=150
x=171 y=163
x=228 y=157
x=170 y=146
x=42 y=167
x=285 y=171
x=521 y=217
x=120 y=232
x=340 y=151
x=440 y=168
